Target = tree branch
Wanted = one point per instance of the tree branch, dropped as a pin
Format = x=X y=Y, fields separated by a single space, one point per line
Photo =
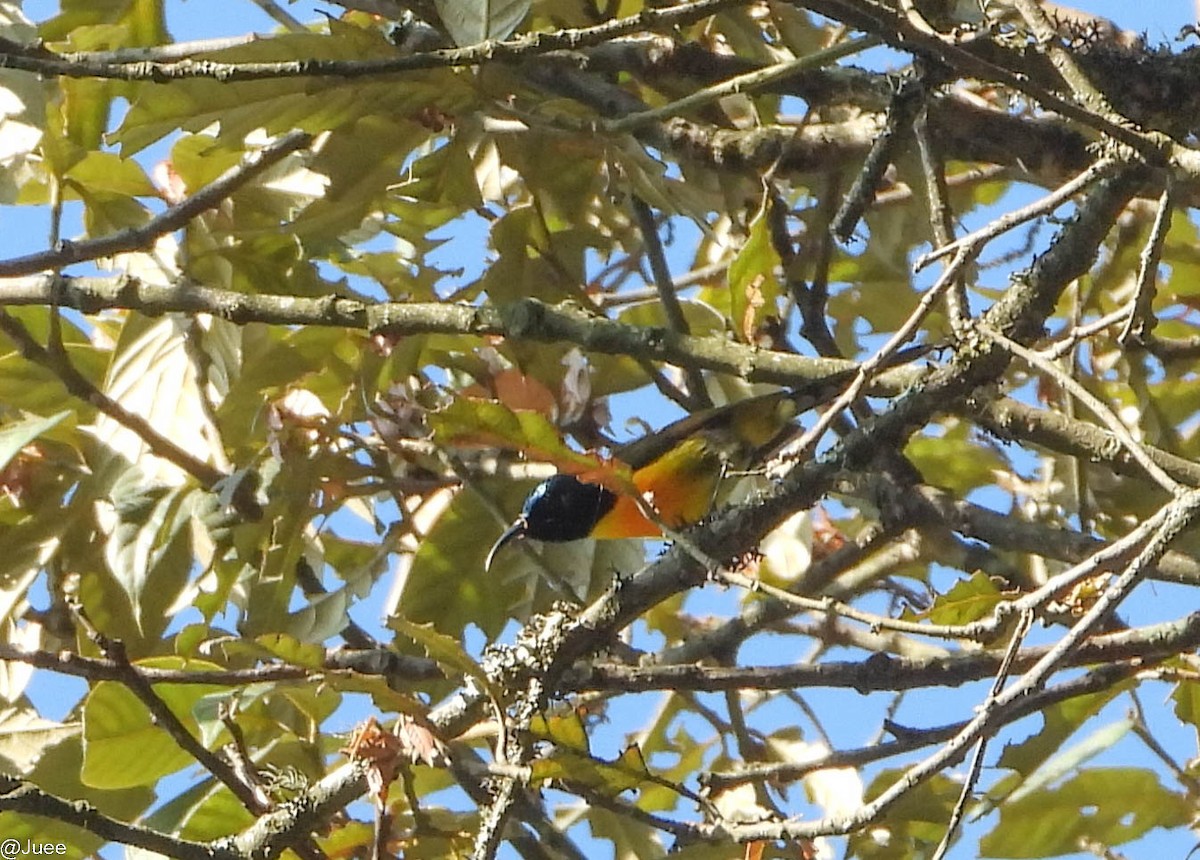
x=40 y=61
x=1101 y=678
x=174 y=218
x=880 y=672
x=27 y=799
x=528 y=319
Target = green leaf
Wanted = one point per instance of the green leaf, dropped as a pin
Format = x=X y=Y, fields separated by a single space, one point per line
x=632 y=838
x=949 y=457
x=153 y=375
x=520 y=238
x=446 y=650
x=86 y=104
x=753 y=280
x=25 y=736
x=491 y=424
x=279 y=105
x=57 y=773
x=140 y=22
x=702 y=318
x=106 y=172
x=28 y=547
x=324 y=616
x=1072 y=758
x=969 y=600
x=30 y=387
x=1107 y=806
x=566 y=730
x=1187 y=702
x=148 y=548
x=611 y=778
x=15 y=436
x=473 y=21
x=123 y=747
x=292 y=650
x=206 y=810
x=383 y=696
x=106 y=213
x=357 y=166
x=1061 y=721
x=913 y=825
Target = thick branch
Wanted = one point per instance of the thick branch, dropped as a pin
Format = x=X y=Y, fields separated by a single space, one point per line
x=1010 y=419
x=40 y=61
x=280 y=829
x=528 y=319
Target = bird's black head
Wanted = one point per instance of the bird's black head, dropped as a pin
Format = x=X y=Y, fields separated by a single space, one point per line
x=564 y=508
x=559 y=509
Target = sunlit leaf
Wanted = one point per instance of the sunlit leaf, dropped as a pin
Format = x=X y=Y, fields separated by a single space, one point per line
x=1070 y=759
x=471 y=21
x=753 y=276
x=611 y=778
x=149 y=544
x=123 y=745
x=968 y=600
x=1108 y=806
x=492 y=424
x=25 y=736
x=1060 y=722
x=15 y=436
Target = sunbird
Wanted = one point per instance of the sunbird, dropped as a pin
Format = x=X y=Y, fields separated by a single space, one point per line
x=677 y=470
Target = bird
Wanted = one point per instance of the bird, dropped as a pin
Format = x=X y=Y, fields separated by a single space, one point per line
x=677 y=470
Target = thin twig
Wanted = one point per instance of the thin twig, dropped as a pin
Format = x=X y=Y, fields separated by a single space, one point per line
x=239 y=755
x=27 y=799
x=975 y=241
x=1156 y=147
x=910 y=740
x=813 y=301
x=1079 y=333
x=1086 y=93
x=832 y=607
x=1178 y=514
x=280 y=17
x=1142 y=731
x=803 y=448
x=747 y=82
x=938 y=668
x=1093 y=403
x=672 y=309
x=1174 y=518
x=941 y=218
x=906 y=102
x=1141 y=322
x=976 y=766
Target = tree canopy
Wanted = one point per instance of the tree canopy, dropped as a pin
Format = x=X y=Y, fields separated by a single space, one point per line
x=314 y=310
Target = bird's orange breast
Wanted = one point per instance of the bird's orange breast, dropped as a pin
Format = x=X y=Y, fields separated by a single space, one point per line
x=680 y=486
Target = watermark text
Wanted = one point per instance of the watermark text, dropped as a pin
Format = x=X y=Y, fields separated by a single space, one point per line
x=11 y=848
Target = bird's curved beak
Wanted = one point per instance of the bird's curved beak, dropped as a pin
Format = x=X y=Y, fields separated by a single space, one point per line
x=515 y=531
